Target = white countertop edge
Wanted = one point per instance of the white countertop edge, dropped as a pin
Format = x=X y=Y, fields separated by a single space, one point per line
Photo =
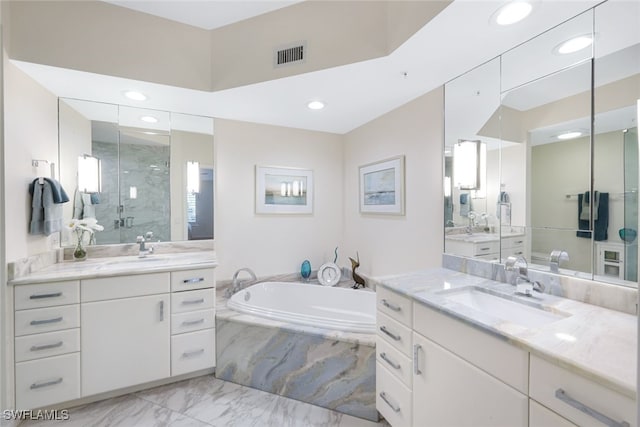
x=111 y=266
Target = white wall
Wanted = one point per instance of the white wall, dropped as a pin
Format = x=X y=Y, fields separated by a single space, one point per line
x=274 y=244
x=393 y=244
x=30 y=132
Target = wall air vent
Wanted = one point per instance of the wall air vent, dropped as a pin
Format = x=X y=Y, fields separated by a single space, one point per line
x=295 y=53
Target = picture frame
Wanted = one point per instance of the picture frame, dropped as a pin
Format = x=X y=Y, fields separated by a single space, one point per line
x=382 y=187
x=283 y=190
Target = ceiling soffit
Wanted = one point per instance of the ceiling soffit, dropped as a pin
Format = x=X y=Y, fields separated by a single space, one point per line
x=103 y=38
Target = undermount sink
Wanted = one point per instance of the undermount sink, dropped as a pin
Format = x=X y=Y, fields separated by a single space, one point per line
x=137 y=260
x=514 y=311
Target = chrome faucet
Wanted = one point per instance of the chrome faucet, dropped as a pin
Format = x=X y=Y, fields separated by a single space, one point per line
x=235 y=283
x=143 y=250
x=524 y=285
x=557 y=255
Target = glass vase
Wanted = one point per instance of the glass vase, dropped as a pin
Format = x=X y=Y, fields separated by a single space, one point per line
x=79 y=252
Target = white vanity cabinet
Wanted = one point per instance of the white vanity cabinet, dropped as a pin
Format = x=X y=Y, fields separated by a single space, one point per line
x=47 y=343
x=512 y=246
x=578 y=399
x=393 y=357
x=451 y=383
x=192 y=321
x=125 y=331
x=488 y=250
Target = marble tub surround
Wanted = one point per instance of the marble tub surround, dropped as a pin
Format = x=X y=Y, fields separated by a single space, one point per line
x=119 y=265
x=333 y=374
x=592 y=341
x=614 y=297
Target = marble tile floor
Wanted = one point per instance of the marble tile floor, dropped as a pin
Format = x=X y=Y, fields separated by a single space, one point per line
x=202 y=402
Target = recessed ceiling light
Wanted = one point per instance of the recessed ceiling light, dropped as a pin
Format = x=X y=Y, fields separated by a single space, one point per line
x=315 y=105
x=136 y=96
x=512 y=12
x=570 y=135
x=574 y=44
x=149 y=119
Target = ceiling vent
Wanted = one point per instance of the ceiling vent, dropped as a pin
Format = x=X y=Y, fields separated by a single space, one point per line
x=290 y=54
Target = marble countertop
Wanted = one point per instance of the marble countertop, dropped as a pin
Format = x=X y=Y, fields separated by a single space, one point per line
x=119 y=265
x=592 y=341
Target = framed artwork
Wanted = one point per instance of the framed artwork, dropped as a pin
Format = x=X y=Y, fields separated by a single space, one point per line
x=284 y=190
x=382 y=187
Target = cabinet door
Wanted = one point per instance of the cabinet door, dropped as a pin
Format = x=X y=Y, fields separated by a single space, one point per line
x=125 y=342
x=449 y=391
x=539 y=416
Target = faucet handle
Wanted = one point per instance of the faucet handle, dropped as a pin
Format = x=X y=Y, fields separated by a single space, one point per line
x=149 y=235
x=139 y=239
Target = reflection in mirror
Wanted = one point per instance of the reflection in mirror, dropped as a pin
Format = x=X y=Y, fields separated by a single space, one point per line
x=471 y=101
x=616 y=94
x=142 y=156
x=541 y=114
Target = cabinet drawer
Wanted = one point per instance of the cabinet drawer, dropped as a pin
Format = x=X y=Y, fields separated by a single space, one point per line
x=192 y=321
x=193 y=351
x=548 y=381
x=47 y=295
x=513 y=242
x=47 y=381
x=539 y=416
x=486 y=248
x=192 y=279
x=394 y=305
x=107 y=288
x=395 y=333
x=395 y=362
x=393 y=399
x=499 y=358
x=37 y=346
x=193 y=300
x=49 y=319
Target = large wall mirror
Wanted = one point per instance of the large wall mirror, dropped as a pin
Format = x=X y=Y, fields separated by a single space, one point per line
x=137 y=171
x=562 y=177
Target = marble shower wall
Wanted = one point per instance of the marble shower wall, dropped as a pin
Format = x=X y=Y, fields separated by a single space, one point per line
x=329 y=373
x=147 y=168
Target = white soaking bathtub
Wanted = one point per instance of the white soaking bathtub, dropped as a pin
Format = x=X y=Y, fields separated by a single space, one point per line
x=341 y=309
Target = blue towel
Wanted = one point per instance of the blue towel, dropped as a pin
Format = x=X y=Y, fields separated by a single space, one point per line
x=600 y=225
x=46 y=215
x=464 y=204
x=58 y=193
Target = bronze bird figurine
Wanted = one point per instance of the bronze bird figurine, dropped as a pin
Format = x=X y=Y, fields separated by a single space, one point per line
x=356 y=277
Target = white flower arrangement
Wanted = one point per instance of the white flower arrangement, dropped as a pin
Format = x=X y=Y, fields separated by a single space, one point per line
x=80 y=227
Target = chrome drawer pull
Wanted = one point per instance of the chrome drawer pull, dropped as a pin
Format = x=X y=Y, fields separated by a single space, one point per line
x=42 y=322
x=162 y=311
x=393 y=364
x=193 y=301
x=391 y=306
x=416 y=349
x=35 y=386
x=391 y=334
x=46 y=346
x=192 y=353
x=395 y=408
x=194 y=280
x=41 y=296
x=192 y=322
x=562 y=395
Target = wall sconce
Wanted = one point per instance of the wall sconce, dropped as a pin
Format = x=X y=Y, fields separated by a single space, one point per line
x=193 y=177
x=89 y=175
x=468 y=157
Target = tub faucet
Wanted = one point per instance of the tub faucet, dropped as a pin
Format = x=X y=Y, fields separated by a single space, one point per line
x=524 y=285
x=235 y=282
x=143 y=250
x=557 y=255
